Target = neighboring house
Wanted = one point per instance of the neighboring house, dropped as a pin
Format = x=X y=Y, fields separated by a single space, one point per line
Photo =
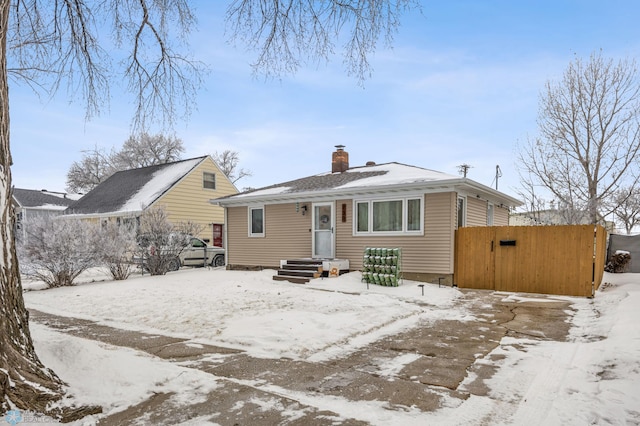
x=337 y=215
x=182 y=188
x=541 y=217
x=30 y=204
x=554 y=216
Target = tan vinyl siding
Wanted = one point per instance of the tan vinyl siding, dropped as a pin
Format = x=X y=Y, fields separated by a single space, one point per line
x=431 y=253
x=440 y=224
x=287 y=236
x=500 y=216
x=188 y=200
x=476 y=212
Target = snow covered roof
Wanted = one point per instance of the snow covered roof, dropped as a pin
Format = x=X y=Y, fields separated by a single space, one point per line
x=388 y=177
x=133 y=190
x=41 y=199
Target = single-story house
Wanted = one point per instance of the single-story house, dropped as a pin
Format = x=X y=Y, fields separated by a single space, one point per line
x=338 y=215
x=183 y=188
x=30 y=204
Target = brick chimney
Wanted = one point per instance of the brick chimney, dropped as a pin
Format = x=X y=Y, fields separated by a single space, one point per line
x=339 y=160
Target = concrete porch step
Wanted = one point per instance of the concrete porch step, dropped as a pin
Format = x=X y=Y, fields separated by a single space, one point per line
x=300 y=273
x=295 y=280
x=301 y=267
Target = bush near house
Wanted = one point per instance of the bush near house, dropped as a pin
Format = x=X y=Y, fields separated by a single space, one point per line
x=57 y=251
x=162 y=241
x=115 y=246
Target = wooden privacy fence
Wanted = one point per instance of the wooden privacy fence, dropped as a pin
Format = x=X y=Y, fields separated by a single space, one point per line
x=567 y=260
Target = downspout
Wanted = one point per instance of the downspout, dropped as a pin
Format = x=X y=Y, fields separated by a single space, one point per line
x=225 y=242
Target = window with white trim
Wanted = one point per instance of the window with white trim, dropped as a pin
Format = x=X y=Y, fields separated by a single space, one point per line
x=462 y=214
x=256 y=221
x=362 y=217
x=489 y=214
x=389 y=216
x=208 y=180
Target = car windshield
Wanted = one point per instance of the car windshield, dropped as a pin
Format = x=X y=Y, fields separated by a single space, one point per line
x=197 y=243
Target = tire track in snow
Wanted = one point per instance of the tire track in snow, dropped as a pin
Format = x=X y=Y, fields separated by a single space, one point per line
x=356 y=341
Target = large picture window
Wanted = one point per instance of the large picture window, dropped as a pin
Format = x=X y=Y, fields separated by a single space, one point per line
x=387 y=216
x=396 y=216
x=256 y=221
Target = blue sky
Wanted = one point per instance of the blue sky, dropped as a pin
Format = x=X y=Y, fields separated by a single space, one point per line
x=460 y=85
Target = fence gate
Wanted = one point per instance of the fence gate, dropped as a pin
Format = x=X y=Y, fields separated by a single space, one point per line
x=567 y=260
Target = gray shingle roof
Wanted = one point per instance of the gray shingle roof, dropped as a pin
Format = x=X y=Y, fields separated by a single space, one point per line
x=35 y=198
x=144 y=185
x=355 y=181
x=374 y=175
x=322 y=182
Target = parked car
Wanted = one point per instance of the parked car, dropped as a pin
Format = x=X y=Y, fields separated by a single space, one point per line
x=195 y=253
x=198 y=253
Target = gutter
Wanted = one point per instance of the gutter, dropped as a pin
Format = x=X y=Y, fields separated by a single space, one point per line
x=358 y=191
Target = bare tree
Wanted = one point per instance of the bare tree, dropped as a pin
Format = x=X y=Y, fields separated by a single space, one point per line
x=589 y=136
x=50 y=44
x=138 y=151
x=58 y=43
x=228 y=160
x=627 y=208
x=534 y=204
x=145 y=150
x=94 y=168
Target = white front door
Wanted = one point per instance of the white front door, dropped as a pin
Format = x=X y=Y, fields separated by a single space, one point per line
x=323 y=230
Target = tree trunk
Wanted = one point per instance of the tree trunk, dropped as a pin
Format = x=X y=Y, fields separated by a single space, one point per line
x=24 y=382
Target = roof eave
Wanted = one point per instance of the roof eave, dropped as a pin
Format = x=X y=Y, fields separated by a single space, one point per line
x=103 y=215
x=511 y=201
x=353 y=192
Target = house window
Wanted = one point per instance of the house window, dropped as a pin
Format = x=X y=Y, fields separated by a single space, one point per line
x=489 y=214
x=362 y=219
x=414 y=216
x=462 y=203
x=387 y=216
x=396 y=216
x=208 y=180
x=256 y=221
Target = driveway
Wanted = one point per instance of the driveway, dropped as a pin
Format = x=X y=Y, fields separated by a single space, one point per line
x=441 y=363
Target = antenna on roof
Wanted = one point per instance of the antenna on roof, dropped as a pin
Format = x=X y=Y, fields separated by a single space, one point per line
x=463 y=169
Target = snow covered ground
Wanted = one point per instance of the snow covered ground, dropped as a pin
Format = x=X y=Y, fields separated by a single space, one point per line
x=594 y=378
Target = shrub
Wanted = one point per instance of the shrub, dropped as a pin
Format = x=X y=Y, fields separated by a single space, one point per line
x=115 y=247
x=57 y=250
x=162 y=241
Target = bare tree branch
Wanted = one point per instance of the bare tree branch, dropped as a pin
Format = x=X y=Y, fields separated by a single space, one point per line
x=138 y=151
x=287 y=33
x=589 y=136
x=228 y=160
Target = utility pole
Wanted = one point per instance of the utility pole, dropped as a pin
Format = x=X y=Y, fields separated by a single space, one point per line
x=498 y=175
